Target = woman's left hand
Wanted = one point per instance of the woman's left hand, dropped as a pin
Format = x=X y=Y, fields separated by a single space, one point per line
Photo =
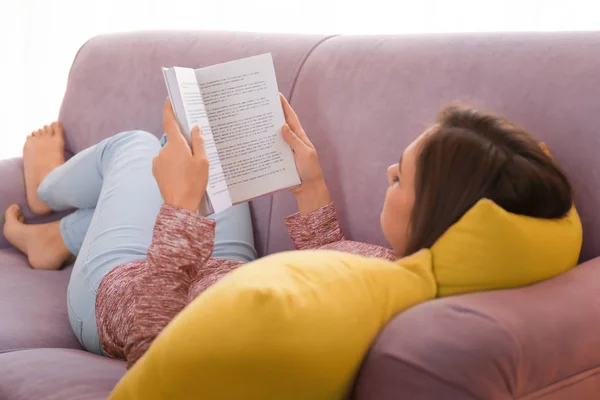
x=180 y=171
x=312 y=193
x=305 y=154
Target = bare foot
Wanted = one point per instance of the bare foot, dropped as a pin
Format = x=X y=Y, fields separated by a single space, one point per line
x=43 y=151
x=43 y=244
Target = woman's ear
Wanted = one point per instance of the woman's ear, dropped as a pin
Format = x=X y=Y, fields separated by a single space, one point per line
x=546 y=150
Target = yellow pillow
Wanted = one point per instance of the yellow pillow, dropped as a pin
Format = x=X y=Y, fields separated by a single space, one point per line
x=297 y=325
x=490 y=248
x=290 y=326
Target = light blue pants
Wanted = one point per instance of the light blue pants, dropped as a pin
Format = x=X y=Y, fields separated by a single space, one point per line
x=117 y=201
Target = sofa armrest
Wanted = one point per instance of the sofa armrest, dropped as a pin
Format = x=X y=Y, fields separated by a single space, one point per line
x=534 y=342
x=12 y=189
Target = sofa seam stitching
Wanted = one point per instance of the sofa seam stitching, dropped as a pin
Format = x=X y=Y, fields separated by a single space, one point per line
x=303 y=62
x=292 y=88
x=535 y=394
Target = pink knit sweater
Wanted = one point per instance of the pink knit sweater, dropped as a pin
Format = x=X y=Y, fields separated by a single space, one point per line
x=136 y=301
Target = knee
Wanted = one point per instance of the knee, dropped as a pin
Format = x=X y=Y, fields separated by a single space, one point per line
x=136 y=142
x=137 y=137
x=130 y=147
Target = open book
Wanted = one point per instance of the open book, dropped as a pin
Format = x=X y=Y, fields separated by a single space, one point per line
x=238 y=108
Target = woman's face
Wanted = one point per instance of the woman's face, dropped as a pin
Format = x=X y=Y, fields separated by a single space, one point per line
x=400 y=199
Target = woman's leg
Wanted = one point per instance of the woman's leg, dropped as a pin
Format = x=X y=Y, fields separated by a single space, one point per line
x=78 y=182
x=121 y=227
x=233 y=241
x=74 y=227
x=43 y=151
x=44 y=245
x=47 y=246
x=52 y=184
x=118 y=163
x=234 y=237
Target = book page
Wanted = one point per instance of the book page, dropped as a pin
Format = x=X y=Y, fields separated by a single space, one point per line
x=245 y=114
x=189 y=109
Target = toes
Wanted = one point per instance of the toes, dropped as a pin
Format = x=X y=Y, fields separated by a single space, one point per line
x=13 y=212
x=54 y=128
x=15 y=208
x=57 y=128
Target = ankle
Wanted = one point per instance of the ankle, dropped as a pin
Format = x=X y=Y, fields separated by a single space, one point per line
x=46 y=248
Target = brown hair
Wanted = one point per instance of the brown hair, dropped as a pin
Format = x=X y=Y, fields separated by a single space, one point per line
x=469 y=155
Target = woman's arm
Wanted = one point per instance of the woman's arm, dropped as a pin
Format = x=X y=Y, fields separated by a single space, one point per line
x=312 y=194
x=316 y=223
x=181 y=245
x=182 y=240
x=316 y=229
x=312 y=197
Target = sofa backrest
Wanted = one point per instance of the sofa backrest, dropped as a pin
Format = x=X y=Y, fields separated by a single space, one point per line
x=362 y=99
x=116 y=84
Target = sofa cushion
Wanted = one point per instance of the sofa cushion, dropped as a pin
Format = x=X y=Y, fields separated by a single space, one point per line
x=33 y=309
x=57 y=374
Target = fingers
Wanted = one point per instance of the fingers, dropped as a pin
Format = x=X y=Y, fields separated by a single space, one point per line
x=57 y=128
x=290 y=115
x=292 y=139
x=292 y=120
x=198 y=149
x=170 y=125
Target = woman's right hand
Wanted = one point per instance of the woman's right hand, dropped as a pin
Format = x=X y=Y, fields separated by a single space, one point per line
x=180 y=171
x=312 y=193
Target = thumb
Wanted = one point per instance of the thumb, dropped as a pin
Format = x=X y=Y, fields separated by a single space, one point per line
x=292 y=139
x=198 y=148
x=170 y=126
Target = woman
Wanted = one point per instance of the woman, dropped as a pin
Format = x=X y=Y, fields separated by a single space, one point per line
x=125 y=288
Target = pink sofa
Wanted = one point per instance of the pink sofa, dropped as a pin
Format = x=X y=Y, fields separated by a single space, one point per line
x=362 y=100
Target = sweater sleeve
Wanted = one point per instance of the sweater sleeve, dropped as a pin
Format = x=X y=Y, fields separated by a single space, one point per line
x=181 y=244
x=317 y=229
x=181 y=239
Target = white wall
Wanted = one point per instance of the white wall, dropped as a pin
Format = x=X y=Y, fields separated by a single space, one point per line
x=39 y=38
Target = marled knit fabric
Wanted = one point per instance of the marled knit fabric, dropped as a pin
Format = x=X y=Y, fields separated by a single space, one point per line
x=136 y=301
